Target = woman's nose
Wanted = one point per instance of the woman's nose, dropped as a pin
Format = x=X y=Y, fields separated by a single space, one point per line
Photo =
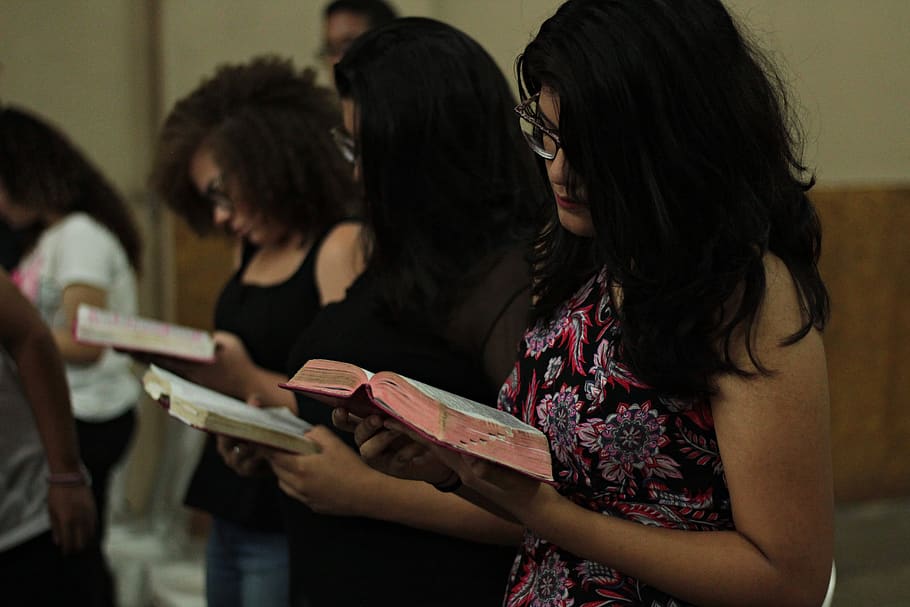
x=557 y=168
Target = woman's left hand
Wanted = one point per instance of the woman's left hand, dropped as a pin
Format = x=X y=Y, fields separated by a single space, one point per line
x=333 y=481
x=514 y=492
x=391 y=452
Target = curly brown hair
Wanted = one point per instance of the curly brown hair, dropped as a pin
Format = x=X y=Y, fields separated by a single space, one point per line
x=268 y=127
x=40 y=167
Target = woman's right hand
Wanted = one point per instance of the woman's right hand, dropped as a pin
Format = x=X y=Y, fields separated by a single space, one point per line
x=72 y=514
x=392 y=452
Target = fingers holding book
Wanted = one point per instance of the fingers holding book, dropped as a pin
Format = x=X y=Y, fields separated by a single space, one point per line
x=345 y=420
x=395 y=450
x=242 y=457
x=333 y=481
x=400 y=451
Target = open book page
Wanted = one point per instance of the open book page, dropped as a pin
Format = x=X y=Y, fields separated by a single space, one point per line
x=470 y=407
x=210 y=410
x=100 y=327
x=465 y=425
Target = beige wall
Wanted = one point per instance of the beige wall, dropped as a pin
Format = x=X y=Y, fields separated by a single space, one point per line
x=87 y=66
x=82 y=63
x=199 y=35
x=503 y=28
x=847 y=63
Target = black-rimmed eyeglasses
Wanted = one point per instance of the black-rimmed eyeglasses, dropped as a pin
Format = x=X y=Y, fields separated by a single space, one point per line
x=543 y=140
x=218 y=196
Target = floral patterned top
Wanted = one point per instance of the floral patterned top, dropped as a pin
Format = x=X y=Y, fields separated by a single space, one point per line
x=619 y=447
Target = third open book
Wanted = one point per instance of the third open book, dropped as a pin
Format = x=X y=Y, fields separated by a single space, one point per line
x=101 y=327
x=446 y=419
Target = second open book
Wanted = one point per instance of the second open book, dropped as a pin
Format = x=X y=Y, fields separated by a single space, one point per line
x=444 y=418
x=214 y=412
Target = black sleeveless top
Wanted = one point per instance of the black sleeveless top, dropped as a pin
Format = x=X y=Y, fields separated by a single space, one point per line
x=268 y=320
x=352 y=561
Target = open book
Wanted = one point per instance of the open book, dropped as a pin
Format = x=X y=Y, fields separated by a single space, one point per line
x=446 y=419
x=208 y=410
x=99 y=327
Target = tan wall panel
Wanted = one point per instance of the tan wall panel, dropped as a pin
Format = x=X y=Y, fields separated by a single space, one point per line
x=200 y=35
x=202 y=266
x=866 y=265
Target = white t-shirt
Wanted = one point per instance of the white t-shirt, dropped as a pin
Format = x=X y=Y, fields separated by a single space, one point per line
x=79 y=250
x=23 y=467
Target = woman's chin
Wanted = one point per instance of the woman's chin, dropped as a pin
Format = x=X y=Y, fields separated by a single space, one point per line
x=577 y=221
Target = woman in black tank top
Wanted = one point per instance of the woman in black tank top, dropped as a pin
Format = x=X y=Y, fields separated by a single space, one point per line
x=249 y=152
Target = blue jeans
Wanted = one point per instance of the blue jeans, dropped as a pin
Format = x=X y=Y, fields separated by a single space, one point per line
x=245 y=568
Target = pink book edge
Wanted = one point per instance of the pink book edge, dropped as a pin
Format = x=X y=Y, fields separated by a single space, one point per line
x=378 y=404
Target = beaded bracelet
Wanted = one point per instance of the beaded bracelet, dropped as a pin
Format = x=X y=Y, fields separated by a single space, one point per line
x=449 y=485
x=70 y=479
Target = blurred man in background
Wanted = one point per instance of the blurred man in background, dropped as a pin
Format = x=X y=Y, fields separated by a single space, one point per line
x=344 y=20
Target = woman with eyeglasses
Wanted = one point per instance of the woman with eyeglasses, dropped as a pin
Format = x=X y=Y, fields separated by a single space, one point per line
x=450 y=190
x=249 y=152
x=81 y=246
x=675 y=361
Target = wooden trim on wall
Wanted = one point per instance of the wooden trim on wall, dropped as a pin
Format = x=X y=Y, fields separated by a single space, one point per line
x=865 y=263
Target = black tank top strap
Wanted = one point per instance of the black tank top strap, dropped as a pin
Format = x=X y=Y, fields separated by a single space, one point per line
x=247 y=250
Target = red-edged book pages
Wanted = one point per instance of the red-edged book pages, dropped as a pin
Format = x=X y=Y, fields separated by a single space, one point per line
x=212 y=411
x=444 y=418
x=99 y=327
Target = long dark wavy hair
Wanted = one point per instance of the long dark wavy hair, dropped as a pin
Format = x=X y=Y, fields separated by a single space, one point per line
x=41 y=169
x=447 y=177
x=268 y=126
x=679 y=133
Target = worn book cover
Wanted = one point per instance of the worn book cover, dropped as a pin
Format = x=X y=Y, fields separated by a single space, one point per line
x=444 y=418
x=99 y=327
x=206 y=409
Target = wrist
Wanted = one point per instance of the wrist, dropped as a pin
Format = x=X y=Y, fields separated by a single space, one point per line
x=536 y=507
x=377 y=496
x=78 y=478
x=450 y=484
x=260 y=385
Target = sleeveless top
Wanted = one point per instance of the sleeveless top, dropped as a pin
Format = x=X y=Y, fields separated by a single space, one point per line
x=352 y=561
x=619 y=447
x=268 y=320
